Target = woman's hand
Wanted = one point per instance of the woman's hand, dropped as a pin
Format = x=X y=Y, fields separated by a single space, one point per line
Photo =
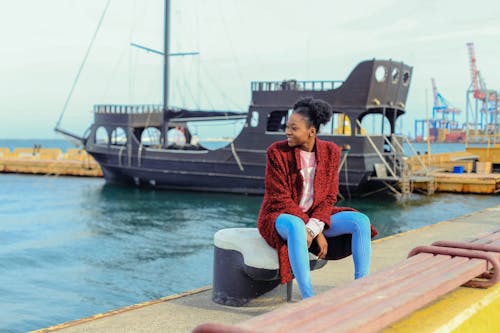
x=322 y=244
x=309 y=240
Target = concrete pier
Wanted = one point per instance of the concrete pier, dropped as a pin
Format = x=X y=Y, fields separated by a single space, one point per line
x=49 y=161
x=183 y=312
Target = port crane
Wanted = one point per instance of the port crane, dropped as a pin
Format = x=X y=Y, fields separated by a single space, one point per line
x=483 y=104
x=443 y=125
x=442 y=110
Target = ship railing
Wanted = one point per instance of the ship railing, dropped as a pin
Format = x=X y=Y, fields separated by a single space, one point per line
x=490 y=140
x=399 y=171
x=380 y=155
x=414 y=153
x=408 y=175
x=398 y=154
x=317 y=85
x=127 y=108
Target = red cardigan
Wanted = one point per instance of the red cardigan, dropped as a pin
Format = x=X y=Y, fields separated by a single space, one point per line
x=283 y=183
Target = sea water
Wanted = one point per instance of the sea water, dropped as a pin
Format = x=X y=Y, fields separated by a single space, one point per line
x=73 y=247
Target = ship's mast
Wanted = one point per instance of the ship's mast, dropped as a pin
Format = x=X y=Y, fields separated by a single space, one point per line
x=166 y=52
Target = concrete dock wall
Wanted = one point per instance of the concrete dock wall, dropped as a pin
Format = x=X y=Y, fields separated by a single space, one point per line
x=49 y=161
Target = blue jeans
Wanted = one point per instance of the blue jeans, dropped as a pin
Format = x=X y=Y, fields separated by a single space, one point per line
x=292 y=229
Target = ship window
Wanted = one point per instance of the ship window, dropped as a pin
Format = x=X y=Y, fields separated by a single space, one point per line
x=277 y=121
x=380 y=73
x=101 y=136
x=406 y=78
x=339 y=124
x=254 y=121
x=175 y=136
x=374 y=124
x=399 y=126
x=151 y=137
x=119 y=137
x=395 y=75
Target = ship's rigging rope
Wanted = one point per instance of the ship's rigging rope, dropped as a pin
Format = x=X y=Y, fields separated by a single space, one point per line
x=233 y=149
x=221 y=91
x=183 y=86
x=120 y=60
x=231 y=46
x=116 y=66
x=184 y=89
x=346 y=175
x=84 y=61
x=204 y=93
x=343 y=164
x=148 y=132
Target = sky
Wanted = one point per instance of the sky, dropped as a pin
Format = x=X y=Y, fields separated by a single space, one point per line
x=239 y=41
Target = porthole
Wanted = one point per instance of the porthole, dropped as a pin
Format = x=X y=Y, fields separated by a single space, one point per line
x=406 y=78
x=380 y=73
x=395 y=75
x=254 y=120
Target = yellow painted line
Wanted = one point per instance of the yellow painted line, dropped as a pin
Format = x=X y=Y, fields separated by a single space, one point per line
x=121 y=310
x=485 y=319
x=463 y=310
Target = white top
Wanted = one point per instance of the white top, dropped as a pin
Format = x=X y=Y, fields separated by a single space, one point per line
x=308 y=170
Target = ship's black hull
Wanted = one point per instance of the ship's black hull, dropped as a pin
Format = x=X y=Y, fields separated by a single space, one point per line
x=221 y=174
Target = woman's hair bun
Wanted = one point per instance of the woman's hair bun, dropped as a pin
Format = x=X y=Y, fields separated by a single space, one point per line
x=316 y=110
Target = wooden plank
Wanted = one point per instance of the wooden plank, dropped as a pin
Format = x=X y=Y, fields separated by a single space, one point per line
x=406 y=302
x=348 y=293
x=372 y=303
x=341 y=303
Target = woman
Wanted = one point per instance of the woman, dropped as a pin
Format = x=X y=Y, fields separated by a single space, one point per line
x=301 y=190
